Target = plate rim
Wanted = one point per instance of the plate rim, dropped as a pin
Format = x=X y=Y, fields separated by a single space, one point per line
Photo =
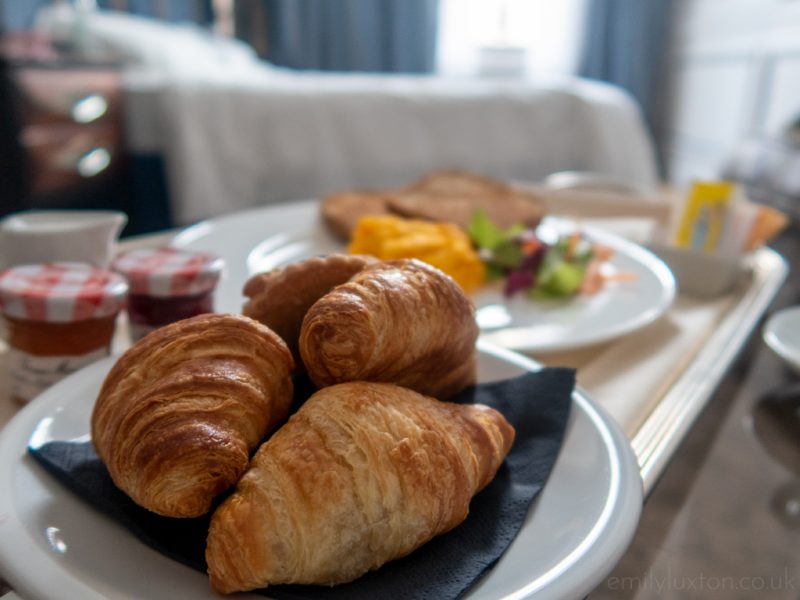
x=773 y=341
x=640 y=254
x=625 y=511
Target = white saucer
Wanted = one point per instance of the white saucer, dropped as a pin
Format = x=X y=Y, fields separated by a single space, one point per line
x=782 y=334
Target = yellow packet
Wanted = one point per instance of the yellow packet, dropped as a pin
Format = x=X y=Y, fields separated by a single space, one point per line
x=704 y=215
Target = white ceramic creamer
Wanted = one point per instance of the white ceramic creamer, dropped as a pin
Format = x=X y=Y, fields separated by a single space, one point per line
x=86 y=236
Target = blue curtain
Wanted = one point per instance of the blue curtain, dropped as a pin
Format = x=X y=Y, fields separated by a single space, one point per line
x=625 y=44
x=352 y=35
x=16 y=15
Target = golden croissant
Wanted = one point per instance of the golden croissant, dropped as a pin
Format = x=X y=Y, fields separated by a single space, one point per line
x=362 y=474
x=399 y=321
x=280 y=298
x=180 y=411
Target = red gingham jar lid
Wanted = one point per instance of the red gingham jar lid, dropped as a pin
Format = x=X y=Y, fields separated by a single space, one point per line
x=61 y=292
x=168 y=272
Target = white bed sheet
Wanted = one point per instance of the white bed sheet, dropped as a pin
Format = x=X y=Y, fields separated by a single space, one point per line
x=236 y=132
x=231 y=145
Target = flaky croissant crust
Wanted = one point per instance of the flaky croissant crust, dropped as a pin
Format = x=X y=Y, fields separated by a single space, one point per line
x=179 y=412
x=280 y=298
x=399 y=321
x=362 y=474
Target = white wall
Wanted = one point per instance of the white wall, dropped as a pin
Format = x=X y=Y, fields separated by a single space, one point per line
x=734 y=74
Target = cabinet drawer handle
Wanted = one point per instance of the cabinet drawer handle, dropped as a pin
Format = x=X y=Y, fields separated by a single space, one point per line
x=89 y=108
x=93 y=162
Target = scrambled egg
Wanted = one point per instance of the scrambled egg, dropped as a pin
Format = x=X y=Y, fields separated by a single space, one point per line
x=442 y=245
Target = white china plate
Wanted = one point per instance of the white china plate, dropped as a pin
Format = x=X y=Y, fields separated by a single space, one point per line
x=782 y=334
x=265 y=238
x=54 y=545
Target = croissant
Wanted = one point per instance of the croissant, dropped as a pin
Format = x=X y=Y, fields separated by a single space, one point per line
x=362 y=474
x=399 y=321
x=280 y=298
x=180 y=411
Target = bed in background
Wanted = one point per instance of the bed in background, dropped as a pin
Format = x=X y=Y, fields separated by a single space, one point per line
x=235 y=132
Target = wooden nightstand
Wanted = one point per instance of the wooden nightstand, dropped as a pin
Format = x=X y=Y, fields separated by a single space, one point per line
x=72 y=131
x=68 y=121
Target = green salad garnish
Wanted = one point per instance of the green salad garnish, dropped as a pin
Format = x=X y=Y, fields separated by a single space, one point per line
x=527 y=263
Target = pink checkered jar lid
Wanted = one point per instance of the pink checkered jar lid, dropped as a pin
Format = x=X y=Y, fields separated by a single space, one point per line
x=169 y=272
x=61 y=292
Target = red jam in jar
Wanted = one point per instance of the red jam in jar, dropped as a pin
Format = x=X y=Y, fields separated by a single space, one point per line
x=59 y=318
x=167 y=285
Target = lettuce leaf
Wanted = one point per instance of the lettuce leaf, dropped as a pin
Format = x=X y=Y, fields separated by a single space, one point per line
x=483 y=232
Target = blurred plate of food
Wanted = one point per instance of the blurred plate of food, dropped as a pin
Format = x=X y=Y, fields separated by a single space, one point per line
x=539 y=283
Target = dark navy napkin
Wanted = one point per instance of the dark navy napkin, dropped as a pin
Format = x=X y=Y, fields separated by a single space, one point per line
x=536 y=404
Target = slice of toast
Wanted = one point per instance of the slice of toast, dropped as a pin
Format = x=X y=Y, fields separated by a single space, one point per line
x=454 y=196
x=342 y=211
x=454 y=181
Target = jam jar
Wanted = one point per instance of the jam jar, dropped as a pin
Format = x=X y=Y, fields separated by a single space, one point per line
x=58 y=317
x=166 y=285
